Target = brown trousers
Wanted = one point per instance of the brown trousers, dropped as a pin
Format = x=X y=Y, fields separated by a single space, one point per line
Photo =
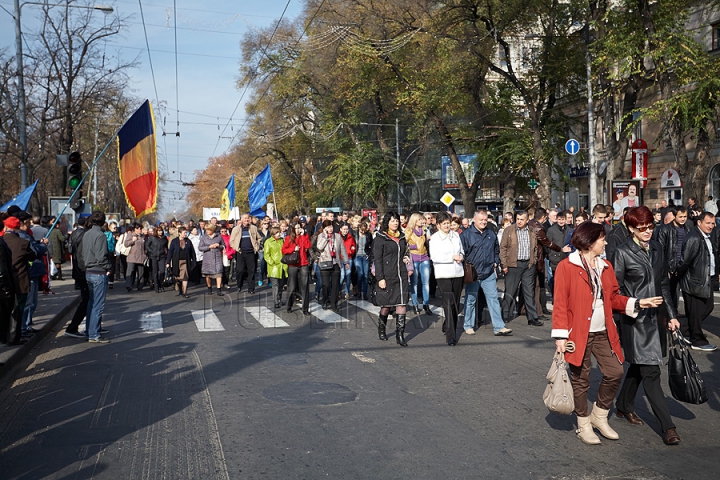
x=612 y=372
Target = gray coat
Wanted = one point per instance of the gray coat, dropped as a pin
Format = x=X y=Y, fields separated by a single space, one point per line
x=137 y=249
x=212 y=258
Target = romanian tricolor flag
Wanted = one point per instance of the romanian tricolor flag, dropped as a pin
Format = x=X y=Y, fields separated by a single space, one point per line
x=137 y=161
x=227 y=202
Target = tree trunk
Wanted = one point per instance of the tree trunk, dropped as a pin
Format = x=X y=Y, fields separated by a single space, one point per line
x=701 y=164
x=509 y=193
x=544 y=190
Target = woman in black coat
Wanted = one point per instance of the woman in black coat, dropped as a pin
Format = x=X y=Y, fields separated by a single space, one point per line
x=391 y=259
x=156 y=249
x=181 y=257
x=641 y=270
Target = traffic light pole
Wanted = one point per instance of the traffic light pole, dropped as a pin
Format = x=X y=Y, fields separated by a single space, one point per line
x=57 y=219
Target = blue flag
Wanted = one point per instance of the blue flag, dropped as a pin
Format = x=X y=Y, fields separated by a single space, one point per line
x=22 y=199
x=261 y=187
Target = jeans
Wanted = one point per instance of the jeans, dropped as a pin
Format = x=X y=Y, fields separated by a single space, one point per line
x=318 y=279
x=421 y=272
x=263 y=265
x=362 y=266
x=134 y=269
x=30 y=305
x=97 y=288
x=345 y=271
x=489 y=286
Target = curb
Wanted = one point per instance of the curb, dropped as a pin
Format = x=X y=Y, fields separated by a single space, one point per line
x=21 y=352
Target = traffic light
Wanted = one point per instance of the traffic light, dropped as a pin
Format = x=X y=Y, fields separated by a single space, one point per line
x=75 y=175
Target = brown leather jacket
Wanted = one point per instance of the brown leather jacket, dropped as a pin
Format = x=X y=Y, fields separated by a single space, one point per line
x=543 y=241
x=509 y=247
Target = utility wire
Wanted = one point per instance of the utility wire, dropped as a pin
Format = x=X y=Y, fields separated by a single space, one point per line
x=177 y=91
x=147 y=44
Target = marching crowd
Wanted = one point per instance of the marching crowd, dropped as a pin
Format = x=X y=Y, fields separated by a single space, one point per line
x=613 y=289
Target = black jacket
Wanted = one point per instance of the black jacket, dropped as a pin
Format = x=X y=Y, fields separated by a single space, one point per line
x=75 y=244
x=667 y=236
x=617 y=236
x=156 y=247
x=7 y=274
x=557 y=235
x=173 y=256
x=643 y=274
x=389 y=266
x=694 y=269
x=481 y=249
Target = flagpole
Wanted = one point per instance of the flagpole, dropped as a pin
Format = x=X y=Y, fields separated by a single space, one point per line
x=57 y=219
x=276 y=207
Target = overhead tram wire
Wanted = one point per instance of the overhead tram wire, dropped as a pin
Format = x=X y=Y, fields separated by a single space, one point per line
x=247 y=86
x=177 y=92
x=307 y=25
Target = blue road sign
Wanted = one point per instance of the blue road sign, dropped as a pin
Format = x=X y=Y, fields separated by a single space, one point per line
x=572 y=146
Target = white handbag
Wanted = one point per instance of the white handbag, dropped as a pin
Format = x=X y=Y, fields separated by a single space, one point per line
x=558 y=396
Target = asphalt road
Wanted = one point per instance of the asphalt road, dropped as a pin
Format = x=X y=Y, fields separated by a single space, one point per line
x=229 y=387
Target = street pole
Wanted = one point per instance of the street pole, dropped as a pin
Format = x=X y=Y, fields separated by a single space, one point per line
x=397 y=158
x=591 y=126
x=22 y=120
x=97 y=131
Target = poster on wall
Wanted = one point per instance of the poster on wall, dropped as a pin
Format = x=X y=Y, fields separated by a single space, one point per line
x=449 y=179
x=623 y=193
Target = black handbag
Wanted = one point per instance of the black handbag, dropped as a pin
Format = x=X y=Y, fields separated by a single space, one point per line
x=326 y=265
x=686 y=383
x=169 y=279
x=291 y=258
x=372 y=289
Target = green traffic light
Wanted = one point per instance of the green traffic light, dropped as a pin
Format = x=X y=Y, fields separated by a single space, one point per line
x=74 y=182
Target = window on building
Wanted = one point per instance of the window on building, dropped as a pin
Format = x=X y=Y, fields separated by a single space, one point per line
x=716 y=36
x=637 y=132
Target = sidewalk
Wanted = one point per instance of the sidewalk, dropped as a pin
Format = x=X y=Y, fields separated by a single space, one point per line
x=50 y=311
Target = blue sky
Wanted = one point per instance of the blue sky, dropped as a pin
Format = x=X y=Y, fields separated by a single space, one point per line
x=208 y=38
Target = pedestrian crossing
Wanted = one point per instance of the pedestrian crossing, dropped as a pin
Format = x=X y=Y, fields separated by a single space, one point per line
x=207 y=320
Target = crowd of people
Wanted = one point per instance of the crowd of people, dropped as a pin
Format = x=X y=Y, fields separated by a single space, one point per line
x=612 y=288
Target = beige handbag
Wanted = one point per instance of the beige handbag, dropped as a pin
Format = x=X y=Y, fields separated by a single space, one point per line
x=558 y=396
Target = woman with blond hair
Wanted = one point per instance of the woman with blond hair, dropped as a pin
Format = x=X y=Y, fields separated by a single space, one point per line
x=417 y=244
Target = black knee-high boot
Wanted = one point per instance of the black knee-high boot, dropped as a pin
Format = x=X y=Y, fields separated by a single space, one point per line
x=400 y=330
x=382 y=321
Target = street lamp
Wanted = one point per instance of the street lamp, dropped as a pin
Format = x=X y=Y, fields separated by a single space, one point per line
x=22 y=123
x=397 y=154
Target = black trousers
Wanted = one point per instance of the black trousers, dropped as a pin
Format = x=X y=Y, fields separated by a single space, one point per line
x=6 y=310
x=17 y=315
x=111 y=258
x=135 y=273
x=697 y=310
x=158 y=272
x=330 y=286
x=451 y=290
x=246 y=264
x=513 y=279
x=649 y=375
x=81 y=309
x=299 y=285
x=121 y=267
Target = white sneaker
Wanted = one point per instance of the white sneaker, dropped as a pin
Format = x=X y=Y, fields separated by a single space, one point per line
x=504 y=332
x=470 y=331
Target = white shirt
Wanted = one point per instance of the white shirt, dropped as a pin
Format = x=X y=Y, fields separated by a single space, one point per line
x=442 y=249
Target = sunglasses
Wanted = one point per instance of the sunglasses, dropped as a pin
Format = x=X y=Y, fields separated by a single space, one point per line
x=645 y=228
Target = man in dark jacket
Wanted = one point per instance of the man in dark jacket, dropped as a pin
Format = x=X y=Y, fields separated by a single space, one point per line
x=556 y=234
x=671 y=238
x=617 y=236
x=8 y=283
x=78 y=274
x=696 y=268
x=481 y=249
x=544 y=245
x=36 y=272
x=22 y=255
x=97 y=270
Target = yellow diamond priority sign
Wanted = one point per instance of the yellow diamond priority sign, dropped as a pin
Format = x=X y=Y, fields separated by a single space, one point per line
x=447 y=199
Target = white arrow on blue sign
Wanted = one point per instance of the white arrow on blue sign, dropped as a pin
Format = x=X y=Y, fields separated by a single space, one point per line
x=572 y=146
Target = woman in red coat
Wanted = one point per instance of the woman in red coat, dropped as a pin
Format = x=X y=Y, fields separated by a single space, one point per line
x=586 y=293
x=299 y=273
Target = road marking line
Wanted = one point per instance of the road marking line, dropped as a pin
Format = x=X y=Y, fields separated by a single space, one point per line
x=369 y=307
x=266 y=317
x=326 y=316
x=362 y=357
x=151 y=322
x=207 y=321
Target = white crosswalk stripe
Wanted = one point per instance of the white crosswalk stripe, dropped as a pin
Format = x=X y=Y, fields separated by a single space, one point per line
x=151 y=322
x=266 y=317
x=326 y=316
x=207 y=321
x=369 y=307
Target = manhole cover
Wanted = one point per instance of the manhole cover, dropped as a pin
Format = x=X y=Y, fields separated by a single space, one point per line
x=310 y=393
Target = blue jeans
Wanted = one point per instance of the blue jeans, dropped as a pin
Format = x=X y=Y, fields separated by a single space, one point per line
x=421 y=271
x=345 y=277
x=97 y=287
x=30 y=305
x=489 y=286
x=362 y=267
x=263 y=267
x=318 y=279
